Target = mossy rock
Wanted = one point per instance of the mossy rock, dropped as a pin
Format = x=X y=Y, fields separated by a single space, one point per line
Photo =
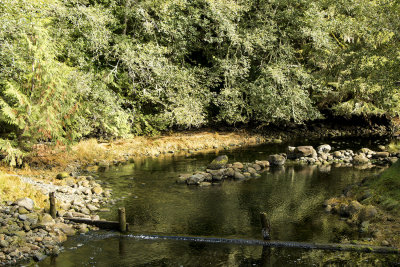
x=62 y=175
x=218 y=163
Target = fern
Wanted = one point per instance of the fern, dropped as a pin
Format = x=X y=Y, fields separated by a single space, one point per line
x=11 y=155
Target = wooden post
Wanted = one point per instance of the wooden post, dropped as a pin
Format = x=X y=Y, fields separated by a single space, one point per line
x=53 y=210
x=122 y=219
x=266 y=226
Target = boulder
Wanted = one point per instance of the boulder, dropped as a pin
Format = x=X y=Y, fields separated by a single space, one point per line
x=239 y=176
x=182 y=178
x=195 y=179
x=26 y=203
x=46 y=220
x=218 y=163
x=302 y=151
x=276 y=160
x=354 y=207
x=237 y=165
x=324 y=148
x=230 y=172
x=379 y=155
x=263 y=163
x=360 y=159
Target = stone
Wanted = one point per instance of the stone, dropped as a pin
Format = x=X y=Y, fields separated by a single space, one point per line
x=360 y=159
x=32 y=218
x=257 y=167
x=39 y=256
x=22 y=210
x=385 y=243
x=247 y=174
x=354 y=207
x=97 y=190
x=218 y=163
x=263 y=163
x=239 y=176
x=26 y=203
x=46 y=220
x=237 y=165
x=277 y=160
x=182 y=178
x=382 y=148
x=251 y=170
x=305 y=151
x=195 y=179
x=4 y=244
x=66 y=229
x=62 y=175
x=324 y=148
x=230 y=172
x=205 y=184
x=70 y=181
x=337 y=154
x=379 y=155
x=92 y=207
x=216 y=175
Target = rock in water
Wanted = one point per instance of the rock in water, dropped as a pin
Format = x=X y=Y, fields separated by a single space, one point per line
x=218 y=162
x=360 y=159
x=301 y=151
x=195 y=179
x=277 y=160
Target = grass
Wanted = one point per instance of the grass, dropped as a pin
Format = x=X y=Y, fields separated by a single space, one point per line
x=91 y=151
x=387 y=187
x=11 y=189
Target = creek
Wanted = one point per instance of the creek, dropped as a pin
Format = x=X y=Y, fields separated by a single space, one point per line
x=155 y=205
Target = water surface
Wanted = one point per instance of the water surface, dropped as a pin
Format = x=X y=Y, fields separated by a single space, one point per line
x=292 y=196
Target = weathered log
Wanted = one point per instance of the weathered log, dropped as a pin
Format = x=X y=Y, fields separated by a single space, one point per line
x=279 y=244
x=107 y=225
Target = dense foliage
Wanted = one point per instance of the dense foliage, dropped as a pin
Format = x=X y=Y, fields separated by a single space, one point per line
x=77 y=68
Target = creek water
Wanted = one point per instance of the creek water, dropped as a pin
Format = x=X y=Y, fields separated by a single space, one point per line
x=155 y=205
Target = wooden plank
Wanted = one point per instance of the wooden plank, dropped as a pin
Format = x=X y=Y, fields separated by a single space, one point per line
x=108 y=225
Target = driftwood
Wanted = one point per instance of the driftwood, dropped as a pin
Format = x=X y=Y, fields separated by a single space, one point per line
x=278 y=244
x=108 y=225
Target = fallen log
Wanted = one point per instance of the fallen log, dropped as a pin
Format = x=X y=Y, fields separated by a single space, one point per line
x=277 y=244
x=107 y=225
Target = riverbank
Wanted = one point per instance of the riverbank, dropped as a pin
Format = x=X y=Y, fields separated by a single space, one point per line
x=60 y=169
x=372 y=207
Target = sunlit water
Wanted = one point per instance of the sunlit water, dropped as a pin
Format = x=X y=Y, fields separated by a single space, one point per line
x=292 y=196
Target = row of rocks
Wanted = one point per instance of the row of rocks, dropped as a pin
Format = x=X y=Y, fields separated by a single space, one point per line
x=219 y=168
x=323 y=155
x=27 y=232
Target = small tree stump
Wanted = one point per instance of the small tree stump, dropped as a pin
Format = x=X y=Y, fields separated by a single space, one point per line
x=53 y=209
x=122 y=219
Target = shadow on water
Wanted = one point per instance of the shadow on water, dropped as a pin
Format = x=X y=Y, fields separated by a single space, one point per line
x=292 y=197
